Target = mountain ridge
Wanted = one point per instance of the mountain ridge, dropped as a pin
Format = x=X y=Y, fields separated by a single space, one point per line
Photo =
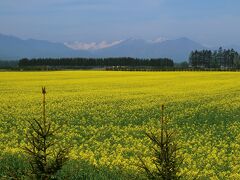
x=14 y=48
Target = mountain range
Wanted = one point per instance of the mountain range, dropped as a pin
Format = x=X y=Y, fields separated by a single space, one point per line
x=14 y=48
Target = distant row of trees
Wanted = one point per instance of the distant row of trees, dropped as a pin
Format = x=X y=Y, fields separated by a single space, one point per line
x=100 y=62
x=223 y=58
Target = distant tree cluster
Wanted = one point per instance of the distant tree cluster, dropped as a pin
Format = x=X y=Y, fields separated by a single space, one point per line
x=215 y=59
x=100 y=62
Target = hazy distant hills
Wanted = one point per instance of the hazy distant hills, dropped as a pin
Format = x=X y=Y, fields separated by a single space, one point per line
x=178 y=49
x=13 y=48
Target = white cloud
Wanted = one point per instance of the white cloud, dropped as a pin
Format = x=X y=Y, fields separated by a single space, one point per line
x=159 y=40
x=91 y=46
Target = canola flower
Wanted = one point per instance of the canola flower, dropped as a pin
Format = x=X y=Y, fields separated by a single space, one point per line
x=105 y=114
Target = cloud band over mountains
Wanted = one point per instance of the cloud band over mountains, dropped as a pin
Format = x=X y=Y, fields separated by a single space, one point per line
x=92 y=45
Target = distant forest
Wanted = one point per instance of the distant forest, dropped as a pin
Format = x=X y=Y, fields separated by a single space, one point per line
x=101 y=62
x=215 y=59
x=221 y=59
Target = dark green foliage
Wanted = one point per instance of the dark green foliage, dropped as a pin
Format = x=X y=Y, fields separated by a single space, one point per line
x=46 y=155
x=104 y=62
x=217 y=59
x=165 y=161
x=79 y=169
x=13 y=166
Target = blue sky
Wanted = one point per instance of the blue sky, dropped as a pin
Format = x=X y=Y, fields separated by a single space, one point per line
x=210 y=22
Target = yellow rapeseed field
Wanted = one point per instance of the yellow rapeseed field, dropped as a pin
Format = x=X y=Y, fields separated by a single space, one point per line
x=105 y=114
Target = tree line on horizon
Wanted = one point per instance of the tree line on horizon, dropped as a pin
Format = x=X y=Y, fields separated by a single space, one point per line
x=98 y=62
x=221 y=58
